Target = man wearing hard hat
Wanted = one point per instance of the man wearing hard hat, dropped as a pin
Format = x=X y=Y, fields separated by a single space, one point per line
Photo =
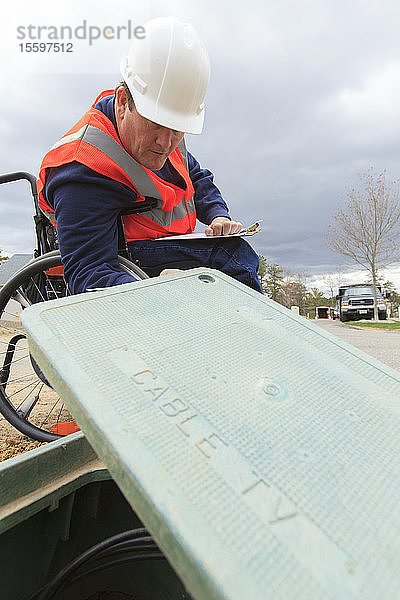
x=130 y=146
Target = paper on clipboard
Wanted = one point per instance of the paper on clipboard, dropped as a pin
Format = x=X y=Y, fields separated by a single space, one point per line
x=246 y=231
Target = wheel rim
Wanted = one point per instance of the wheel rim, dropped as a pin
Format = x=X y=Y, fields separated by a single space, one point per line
x=27 y=400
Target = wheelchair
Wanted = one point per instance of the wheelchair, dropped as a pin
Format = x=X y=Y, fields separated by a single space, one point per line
x=27 y=400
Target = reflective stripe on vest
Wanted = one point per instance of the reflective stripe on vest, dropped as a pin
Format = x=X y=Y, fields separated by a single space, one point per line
x=182 y=149
x=142 y=181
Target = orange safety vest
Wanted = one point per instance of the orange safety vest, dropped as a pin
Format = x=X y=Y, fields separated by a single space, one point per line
x=94 y=142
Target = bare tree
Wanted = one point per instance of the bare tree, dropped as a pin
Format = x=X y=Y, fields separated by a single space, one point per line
x=294 y=290
x=333 y=281
x=367 y=230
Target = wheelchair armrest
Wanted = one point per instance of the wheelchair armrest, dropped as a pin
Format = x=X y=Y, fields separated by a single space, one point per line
x=134 y=208
x=138 y=207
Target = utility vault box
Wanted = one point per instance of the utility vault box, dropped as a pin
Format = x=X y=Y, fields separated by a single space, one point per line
x=262 y=452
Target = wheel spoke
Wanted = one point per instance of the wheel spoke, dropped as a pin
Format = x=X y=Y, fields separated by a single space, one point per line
x=15 y=360
x=22 y=389
x=38 y=289
x=51 y=410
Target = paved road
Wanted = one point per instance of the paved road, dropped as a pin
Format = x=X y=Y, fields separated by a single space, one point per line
x=383 y=345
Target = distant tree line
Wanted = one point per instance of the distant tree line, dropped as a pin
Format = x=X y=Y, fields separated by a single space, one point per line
x=293 y=288
x=290 y=288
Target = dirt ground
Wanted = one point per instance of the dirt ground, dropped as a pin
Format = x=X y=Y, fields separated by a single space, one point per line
x=10 y=446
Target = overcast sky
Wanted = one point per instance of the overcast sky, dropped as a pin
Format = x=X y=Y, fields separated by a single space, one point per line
x=304 y=96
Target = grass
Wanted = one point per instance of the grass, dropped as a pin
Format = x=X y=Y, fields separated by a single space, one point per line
x=387 y=325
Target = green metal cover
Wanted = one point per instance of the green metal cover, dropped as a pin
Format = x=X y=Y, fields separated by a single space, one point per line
x=262 y=452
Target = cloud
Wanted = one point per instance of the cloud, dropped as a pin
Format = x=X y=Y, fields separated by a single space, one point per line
x=303 y=97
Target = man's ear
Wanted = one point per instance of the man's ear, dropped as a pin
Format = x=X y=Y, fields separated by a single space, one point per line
x=121 y=102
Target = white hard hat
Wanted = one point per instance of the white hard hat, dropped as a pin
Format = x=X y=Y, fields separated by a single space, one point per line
x=167 y=73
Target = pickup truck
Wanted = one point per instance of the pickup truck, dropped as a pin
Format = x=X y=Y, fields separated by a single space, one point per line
x=356 y=302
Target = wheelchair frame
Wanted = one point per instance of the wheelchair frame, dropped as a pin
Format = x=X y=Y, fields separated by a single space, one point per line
x=35 y=283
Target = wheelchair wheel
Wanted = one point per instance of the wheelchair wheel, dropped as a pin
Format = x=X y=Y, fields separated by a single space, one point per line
x=27 y=399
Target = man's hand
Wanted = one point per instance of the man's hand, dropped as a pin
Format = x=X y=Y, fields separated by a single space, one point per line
x=223 y=226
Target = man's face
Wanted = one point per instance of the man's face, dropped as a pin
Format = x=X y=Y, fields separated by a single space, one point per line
x=149 y=143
